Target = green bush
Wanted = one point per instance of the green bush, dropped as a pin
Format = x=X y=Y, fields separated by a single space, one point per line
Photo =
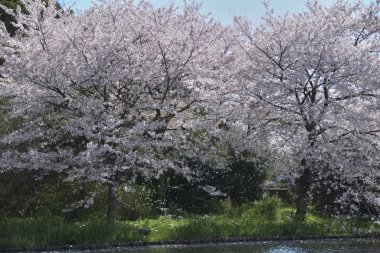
x=265 y=209
x=226 y=207
x=135 y=203
x=287 y=214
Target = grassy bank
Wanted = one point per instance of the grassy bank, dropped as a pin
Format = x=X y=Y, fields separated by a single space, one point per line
x=258 y=220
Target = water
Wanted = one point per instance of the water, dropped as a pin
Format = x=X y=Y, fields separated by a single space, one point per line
x=327 y=246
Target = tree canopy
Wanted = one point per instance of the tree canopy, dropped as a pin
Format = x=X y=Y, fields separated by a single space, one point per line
x=125 y=89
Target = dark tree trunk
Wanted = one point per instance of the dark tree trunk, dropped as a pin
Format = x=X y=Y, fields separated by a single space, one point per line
x=112 y=204
x=162 y=189
x=303 y=183
x=303 y=187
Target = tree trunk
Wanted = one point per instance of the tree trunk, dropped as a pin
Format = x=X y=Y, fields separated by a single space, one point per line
x=304 y=181
x=162 y=189
x=112 y=204
x=303 y=186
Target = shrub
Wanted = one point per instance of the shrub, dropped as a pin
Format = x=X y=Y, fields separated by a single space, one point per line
x=135 y=203
x=336 y=194
x=265 y=209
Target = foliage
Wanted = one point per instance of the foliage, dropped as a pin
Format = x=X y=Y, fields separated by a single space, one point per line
x=30 y=194
x=136 y=202
x=265 y=209
x=241 y=182
x=29 y=233
x=184 y=195
x=332 y=189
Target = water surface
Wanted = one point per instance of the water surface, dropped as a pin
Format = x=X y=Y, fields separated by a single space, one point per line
x=325 y=246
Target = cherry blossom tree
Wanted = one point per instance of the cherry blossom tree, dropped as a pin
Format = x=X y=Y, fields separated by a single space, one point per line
x=126 y=89
x=115 y=91
x=313 y=81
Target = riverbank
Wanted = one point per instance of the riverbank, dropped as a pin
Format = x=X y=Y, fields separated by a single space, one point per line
x=57 y=234
x=193 y=243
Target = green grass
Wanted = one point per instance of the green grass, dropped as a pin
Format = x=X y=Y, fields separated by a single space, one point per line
x=254 y=221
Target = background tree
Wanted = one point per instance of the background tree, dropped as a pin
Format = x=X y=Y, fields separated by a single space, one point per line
x=8 y=18
x=313 y=81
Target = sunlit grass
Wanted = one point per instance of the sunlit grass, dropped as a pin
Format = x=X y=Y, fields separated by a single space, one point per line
x=29 y=233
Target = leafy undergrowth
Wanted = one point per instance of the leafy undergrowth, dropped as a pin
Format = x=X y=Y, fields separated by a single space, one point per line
x=258 y=220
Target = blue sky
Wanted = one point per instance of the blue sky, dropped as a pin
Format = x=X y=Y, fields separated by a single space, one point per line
x=225 y=10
